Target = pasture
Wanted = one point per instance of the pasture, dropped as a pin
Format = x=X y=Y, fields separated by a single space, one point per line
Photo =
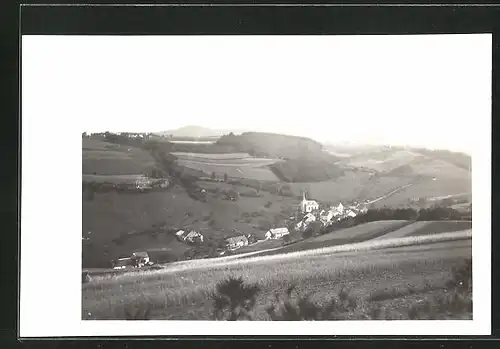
x=117 y=219
x=104 y=158
x=391 y=280
x=236 y=165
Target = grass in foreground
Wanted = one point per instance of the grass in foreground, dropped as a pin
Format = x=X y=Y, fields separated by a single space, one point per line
x=378 y=284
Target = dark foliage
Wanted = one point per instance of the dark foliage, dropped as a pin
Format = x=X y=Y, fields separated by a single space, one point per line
x=234 y=300
x=286 y=308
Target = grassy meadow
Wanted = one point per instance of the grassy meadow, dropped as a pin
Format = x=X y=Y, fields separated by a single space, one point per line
x=235 y=165
x=391 y=283
x=104 y=158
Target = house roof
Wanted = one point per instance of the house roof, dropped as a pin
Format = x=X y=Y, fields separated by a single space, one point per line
x=179 y=233
x=235 y=239
x=192 y=234
x=140 y=254
x=279 y=230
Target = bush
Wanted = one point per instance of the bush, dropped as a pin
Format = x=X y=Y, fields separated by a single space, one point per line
x=234 y=300
x=85 y=277
x=288 y=309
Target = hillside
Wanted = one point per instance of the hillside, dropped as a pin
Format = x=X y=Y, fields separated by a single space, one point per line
x=304 y=159
x=104 y=158
x=256 y=165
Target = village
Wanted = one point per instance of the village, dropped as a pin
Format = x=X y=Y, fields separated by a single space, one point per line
x=309 y=212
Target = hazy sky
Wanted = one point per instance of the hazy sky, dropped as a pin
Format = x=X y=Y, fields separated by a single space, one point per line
x=416 y=90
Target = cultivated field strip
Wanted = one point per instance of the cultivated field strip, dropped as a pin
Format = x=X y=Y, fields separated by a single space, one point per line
x=404 y=231
x=276 y=258
x=425 y=227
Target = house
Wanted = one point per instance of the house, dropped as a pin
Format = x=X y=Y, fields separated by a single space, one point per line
x=179 y=235
x=326 y=216
x=277 y=233
x=339 y=209
x=351 y=213
x=309 y=218
x=123 y=263
x=190 y=237
x=193 y=237
x=141 y=258
x=236 y=242
x=307 y=206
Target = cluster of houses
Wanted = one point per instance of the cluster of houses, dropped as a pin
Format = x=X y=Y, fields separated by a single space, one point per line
x=311 y=213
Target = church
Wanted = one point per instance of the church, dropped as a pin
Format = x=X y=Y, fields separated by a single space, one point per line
x=307 y=206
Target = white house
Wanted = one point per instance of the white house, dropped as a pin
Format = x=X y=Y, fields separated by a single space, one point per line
x=236 y=242
x=309 y=218
x=351 y=214
x=307 y=206
x=277 y=233
x=193 y=237
x=340 y=208
x=140 y=258
x=179 y=234
x=326 y=217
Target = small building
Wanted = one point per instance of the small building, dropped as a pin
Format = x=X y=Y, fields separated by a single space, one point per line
x=141 y=258
x=193 y=237
x=307 y=206
x=309 y=218
x=236 y=242
x=339 y=209
x=277 y=233
x=326 y=216
x=351 y=213
x=179 y=235
x=123 y=263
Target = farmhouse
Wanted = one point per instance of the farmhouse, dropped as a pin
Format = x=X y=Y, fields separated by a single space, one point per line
x=179 y=235
x=277 y=233
x=193 y=237
x=140 y=258
x=190 y=237
x=307 y=206
x=326 y=216
x=351 y=213
x=236 y=242
x=122 y=263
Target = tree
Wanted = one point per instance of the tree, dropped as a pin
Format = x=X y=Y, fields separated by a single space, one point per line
x=213 y=175
x=225 y=177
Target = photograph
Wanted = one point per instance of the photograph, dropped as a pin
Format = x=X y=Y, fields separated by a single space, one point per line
x=277 y=178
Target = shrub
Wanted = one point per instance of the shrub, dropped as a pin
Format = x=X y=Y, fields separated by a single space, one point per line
x=85 y=277
x=288 y=309
x=234 y=300
x=461 y=277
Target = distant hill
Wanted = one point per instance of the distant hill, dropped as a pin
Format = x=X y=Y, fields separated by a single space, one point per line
x=192 y=131
x=305 y=159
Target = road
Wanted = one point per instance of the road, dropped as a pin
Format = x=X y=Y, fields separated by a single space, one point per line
x=391 y=193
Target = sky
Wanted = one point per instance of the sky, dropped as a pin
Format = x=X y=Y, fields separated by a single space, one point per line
x=420 y=90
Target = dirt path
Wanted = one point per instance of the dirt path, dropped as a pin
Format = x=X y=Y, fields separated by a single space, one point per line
x=391 y=193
